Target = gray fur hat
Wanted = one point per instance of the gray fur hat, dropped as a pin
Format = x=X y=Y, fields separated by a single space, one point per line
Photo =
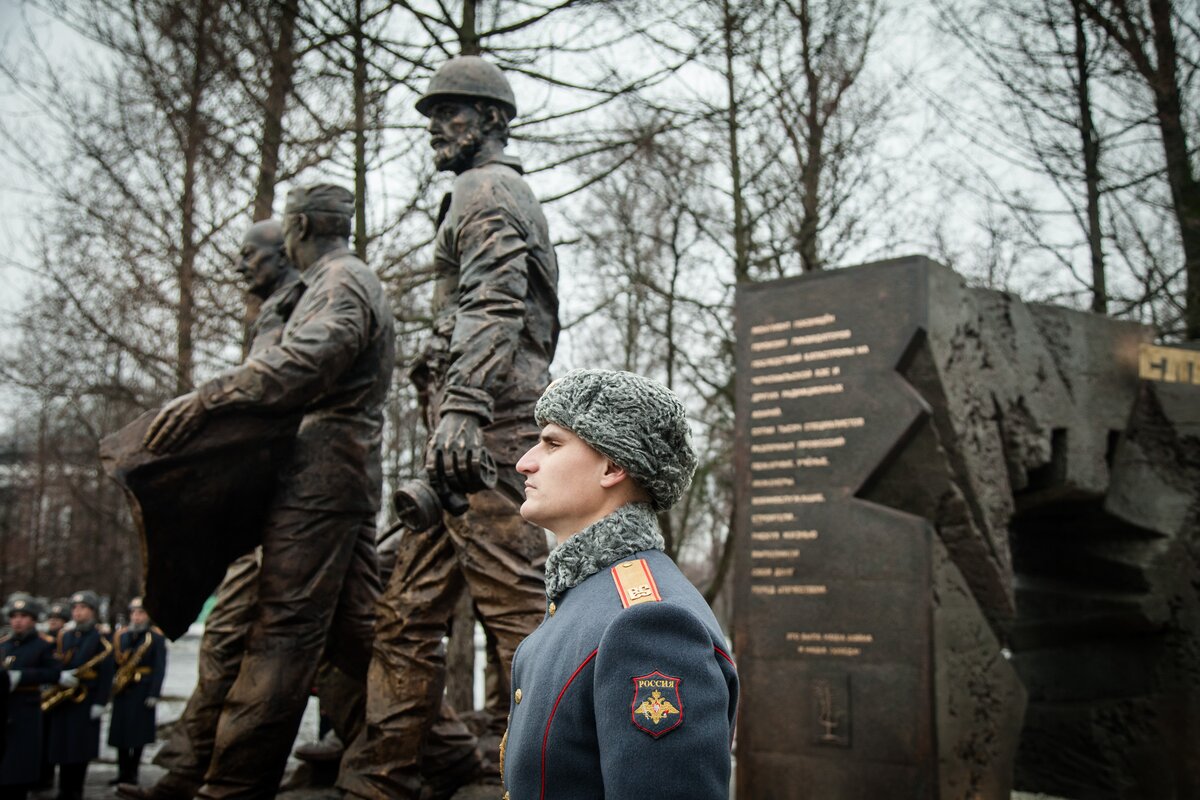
x=638 y=423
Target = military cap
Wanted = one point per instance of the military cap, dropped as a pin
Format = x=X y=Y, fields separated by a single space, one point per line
x=136 y=604
x=87 y=598
x=327 y=198
x=638 y=423
x=61 y=609
x=23 y=603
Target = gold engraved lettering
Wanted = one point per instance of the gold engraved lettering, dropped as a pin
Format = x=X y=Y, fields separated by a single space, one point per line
x=813 y=391
x=762 y=397
x=785 y=463
x=770 y=327
x=772 y=447
x=784 y=516
x=760 y=572
x=774 y=553
x=765 y=536
x=813 y=651
x=800 y=536
x=802 y=588
x=790 y=427
x=761 y=413
x=817 y=444
x=845 y=651
x=811 y=355
x=812 y=461
x=834 y=424
x=760 y=589
x=820 y=338
x=1168 y=364
x=770 y=344
x=814 y=322
x=782 y=377
x=784 y=572
x=781 y=499
x=772 y=483
x=763 y=430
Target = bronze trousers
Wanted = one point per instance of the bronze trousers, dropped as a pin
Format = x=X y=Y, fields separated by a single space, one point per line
x=316 y=595
x=500 y=558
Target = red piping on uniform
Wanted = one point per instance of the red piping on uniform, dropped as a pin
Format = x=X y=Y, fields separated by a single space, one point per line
x=725 y=656
x=557 y=700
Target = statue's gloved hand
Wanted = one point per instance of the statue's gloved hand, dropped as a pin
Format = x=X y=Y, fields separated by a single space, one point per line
x=151 y=702
x=97 y=712
x=456 y=457
x=67 y=679
x=14 y=678
x=176 y=423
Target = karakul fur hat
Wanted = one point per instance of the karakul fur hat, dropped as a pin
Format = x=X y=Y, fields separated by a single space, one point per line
x=638 y=423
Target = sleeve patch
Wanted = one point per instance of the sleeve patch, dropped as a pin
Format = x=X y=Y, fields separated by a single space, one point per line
x=635 y=584
x=657 y=706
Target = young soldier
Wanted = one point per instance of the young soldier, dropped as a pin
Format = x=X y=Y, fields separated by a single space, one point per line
x=58 y=615
x=141 y=655
x=82 y=693
x=28 y=661
x=627 y=684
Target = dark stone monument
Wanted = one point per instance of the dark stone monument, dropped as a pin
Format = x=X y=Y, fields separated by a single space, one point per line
x=923 y=468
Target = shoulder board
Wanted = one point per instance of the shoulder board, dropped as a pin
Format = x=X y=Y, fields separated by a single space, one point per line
x=634 y=583
x=157 y=630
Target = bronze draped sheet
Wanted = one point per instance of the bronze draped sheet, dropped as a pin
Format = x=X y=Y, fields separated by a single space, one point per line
x=199 y=508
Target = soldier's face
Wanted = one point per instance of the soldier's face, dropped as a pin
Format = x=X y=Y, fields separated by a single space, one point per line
x=21 y=623
x=260 y=264
x=455 y=132
x=54 y=624
x=82 y=612
x=138 y=616
x=565 y=482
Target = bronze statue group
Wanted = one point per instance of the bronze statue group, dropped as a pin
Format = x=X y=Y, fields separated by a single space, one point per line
x=597 y=648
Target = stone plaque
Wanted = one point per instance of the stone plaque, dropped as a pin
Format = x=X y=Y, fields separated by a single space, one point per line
x=838 y=619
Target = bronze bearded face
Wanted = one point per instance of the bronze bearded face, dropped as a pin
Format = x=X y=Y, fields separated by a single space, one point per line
x=455 y=133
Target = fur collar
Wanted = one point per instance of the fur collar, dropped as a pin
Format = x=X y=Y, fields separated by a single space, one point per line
x=629 y=529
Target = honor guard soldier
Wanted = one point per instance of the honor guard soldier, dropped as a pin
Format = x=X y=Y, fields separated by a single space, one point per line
x=28 y=663
x=75 y=705
x=627 y=688
x=58 y=614
x=140 y=651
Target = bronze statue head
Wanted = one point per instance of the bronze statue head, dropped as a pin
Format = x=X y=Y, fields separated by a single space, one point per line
x=262 y=261
x=316 y=219
x=469 y=105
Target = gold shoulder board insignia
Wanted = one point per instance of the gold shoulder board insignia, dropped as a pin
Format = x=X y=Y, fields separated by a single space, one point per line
x=635 y=584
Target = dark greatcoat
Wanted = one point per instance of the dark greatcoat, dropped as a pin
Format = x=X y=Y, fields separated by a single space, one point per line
x=132 y=723
x=576 y=732
x=34 y=657
x=74 y=735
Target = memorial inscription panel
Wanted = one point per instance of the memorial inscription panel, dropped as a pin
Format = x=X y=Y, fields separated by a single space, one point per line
x=833 y=624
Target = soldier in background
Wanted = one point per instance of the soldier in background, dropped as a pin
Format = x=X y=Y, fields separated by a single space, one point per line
x=334 y=364
x=58 y=614
x=140 y=651
x=29 y=662
x=82 y=692
x=494 y=334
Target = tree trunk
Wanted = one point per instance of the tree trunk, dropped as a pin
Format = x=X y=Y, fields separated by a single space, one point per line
x=360 y=133
x=460 y=656
x=283 y=71
x=194 y=135
x=1185 y=194
x=741 y=235
x=468 y=32
x=1091 y=163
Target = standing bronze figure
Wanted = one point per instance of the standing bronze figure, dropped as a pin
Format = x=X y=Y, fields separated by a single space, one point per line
x=333 y=362
x=494 y=335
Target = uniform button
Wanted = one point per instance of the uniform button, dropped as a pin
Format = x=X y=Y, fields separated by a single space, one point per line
x=553 y=608
x=517 y=696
